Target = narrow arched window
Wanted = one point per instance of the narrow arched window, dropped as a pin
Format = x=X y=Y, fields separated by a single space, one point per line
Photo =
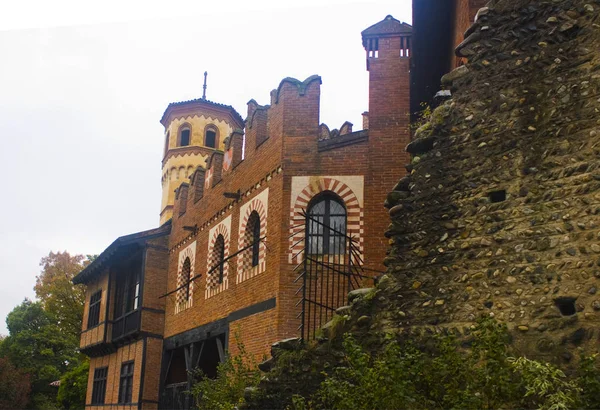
x=210 y=137
x=167 y=142
x=253 y=237
x=186 y=275
x=184 y=136
x=219 y=257
x=326 y=225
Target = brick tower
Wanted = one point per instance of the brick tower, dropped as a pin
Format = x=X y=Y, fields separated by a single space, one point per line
x=388 y=48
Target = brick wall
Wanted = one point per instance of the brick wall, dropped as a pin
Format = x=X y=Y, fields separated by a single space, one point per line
x=465 y=12
x=153 y=357
x=257 y=172
x=133 y=351
x=389 y=116
x=155 y=285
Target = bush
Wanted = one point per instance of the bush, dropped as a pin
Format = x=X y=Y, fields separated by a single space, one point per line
x=438 y=373
x=15 y=386
x=73 y=387
x=226 y=391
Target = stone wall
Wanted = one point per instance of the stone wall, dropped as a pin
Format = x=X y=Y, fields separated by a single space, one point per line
x=500 y=213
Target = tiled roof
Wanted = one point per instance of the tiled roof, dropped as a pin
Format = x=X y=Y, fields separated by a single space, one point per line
x=107 y=255
x=234 y=113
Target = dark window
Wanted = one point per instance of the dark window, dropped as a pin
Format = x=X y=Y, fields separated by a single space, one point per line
x=94 y=311
x=219 y=253
x=99 y=386
x=185 y=137
x=128 y=292
x=211 y=139
x=167 y=143
x=253 y=236
x=126 y=383
x=497 y=196
x=326 y=225
x=566 y=305
x=186 y=272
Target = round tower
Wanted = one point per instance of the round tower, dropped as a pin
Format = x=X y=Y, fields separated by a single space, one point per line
x=193 y=130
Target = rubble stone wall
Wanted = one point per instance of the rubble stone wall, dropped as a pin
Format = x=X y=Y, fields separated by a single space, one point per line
x=500 y=214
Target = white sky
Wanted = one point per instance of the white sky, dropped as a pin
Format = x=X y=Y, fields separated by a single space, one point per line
x=83 y=86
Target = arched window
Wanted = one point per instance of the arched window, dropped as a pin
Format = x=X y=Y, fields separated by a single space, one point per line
x=185 y=133
x=186 y=276
x=326 y=225
x=210 y=137
x=167 y=142
x=219 y=256
x=253 y=237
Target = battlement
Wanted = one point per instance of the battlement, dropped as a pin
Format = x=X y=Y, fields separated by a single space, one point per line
x=292 y=113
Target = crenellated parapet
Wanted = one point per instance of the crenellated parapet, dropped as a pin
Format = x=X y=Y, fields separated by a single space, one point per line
x=293 y=115
x=325 y=133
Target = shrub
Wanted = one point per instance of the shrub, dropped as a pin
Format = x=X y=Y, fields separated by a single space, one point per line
x=439 y=373
x=226 y=391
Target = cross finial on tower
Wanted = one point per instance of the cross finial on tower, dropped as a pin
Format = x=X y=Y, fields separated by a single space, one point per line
x=204 y=86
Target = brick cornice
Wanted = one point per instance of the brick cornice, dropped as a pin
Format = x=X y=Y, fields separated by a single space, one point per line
x=198 y=107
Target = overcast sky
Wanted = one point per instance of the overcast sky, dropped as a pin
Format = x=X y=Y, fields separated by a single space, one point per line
x=83 y=87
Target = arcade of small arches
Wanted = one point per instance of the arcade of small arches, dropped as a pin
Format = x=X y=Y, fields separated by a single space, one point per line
x=184 y=136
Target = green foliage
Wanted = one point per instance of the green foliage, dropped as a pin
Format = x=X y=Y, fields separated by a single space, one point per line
x=44 y=335
x=589 y=381
x=234 y=375
x=545 y=385
x=423 y=116
x=14 y=386
x=73 y=386
x=60 y=298
x=37 y=346
x=437 y=373
x=366 y=383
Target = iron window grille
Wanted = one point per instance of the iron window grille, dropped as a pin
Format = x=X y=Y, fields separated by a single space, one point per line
x=254 y=225
x=186 y=272
x=220 y=256
x=326 y=226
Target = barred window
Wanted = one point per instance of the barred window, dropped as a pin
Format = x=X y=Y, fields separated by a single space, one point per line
x=253 y=236
x=99 y=386
x=126 y=383
x=219 y=256
x=326 y=225
x=186 y=276
x=94 y=310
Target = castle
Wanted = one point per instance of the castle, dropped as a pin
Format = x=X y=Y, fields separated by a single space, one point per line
x=259 y=218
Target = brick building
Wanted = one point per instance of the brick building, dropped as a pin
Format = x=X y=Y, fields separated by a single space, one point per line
x=257 y=217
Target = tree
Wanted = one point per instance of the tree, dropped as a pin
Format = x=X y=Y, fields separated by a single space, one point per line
x=14 y=386
x=36 y=345
x=73 y=387
x=59 y=297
